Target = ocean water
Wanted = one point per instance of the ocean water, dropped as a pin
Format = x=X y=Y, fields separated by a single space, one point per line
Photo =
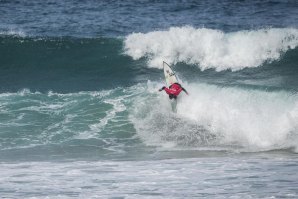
x=81 y=115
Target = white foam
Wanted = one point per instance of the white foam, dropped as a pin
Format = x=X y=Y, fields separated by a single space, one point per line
x=154 y=120
x=208 y=48
x=97 y=94
x=212 y=115
x=118 y=106
x=11 y=32
x=254 y=119
x=169 y=178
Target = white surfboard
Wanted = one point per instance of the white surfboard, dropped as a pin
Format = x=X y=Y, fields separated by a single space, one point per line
x=171 y=78
x=170 y=75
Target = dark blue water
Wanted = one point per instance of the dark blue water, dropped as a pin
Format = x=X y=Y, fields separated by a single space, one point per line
x=81 y=115
x=119 y=18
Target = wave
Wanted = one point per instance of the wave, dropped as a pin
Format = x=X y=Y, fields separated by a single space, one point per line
x=209 y=48
x=101 y=100
x=40 y=124
x=213 y=116
x=135 y=118
x=63 y=64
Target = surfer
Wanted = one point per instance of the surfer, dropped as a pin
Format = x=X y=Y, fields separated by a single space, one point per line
x=174 y=90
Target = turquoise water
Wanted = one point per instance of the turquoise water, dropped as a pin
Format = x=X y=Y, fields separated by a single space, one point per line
x=81 y=115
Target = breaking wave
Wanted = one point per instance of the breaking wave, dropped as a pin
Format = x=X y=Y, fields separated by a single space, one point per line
x=213 y=116
x=209 y=48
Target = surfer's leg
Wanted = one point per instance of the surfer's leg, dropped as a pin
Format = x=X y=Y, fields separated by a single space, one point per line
x=171 y=96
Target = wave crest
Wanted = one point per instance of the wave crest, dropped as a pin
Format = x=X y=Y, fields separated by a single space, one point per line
x=14 y=33
x=210 y=48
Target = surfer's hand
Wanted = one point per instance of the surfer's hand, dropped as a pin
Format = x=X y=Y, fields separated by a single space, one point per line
x=161 y=88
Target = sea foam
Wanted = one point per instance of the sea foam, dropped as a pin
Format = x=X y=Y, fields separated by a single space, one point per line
x=16 y=33
x=209 y=48
x=254 y=120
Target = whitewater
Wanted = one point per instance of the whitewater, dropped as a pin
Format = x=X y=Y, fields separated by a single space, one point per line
x=133 y=140
x=209 y=48
x=81 y=115
x=238 y=116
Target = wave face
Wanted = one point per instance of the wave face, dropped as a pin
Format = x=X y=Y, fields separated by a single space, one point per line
x=62 y=64
x=208 y=48
x=128 y=122
x=81 y=115
x=50 y=125
x=65 y=97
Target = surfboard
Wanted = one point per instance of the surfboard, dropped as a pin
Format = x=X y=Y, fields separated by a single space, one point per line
x=171 y=78
x=170 y=75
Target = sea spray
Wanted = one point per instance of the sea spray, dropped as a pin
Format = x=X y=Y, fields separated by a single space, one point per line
x=81 y=115
x=254 y=120
x=209 y=48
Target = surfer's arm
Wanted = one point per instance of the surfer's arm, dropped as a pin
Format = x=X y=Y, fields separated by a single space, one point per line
x=162 y=88
x=184 y=90
x=168 y=91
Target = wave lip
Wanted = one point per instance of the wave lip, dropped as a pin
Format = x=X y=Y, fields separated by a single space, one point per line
x=209 y=48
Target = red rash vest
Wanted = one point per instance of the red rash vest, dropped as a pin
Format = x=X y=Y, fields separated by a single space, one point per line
x=174 y=90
